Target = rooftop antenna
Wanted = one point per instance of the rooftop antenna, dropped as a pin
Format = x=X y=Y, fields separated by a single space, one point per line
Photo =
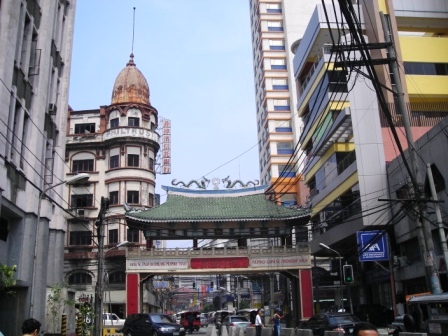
x=133 y=29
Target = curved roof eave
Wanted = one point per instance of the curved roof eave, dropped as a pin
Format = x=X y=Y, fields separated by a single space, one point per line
x=191 y=220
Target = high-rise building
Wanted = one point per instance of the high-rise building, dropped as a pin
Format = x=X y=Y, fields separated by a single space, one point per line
x=347 y=137
x=117 y=145
x=275 y=25
x=35 y=57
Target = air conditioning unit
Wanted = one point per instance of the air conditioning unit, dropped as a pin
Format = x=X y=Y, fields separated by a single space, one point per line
x=52 y=109
x=80 y=212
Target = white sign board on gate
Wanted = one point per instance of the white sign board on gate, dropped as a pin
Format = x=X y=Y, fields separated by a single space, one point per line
x=293 y=261
x=159 y=264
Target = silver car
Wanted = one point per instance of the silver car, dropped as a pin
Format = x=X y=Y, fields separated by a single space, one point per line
x=238 y=321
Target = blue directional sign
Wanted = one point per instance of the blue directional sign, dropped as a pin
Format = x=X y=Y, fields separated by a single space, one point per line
x=372 y=245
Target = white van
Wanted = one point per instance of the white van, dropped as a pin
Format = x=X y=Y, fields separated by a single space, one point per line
x=111 y=320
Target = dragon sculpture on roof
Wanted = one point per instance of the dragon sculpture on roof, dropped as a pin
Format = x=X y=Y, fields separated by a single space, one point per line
x=229 y=184
x=201 y=184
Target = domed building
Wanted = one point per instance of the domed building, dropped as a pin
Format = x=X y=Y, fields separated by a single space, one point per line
x=117 y=146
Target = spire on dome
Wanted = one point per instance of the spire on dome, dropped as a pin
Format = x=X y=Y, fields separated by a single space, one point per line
x=131 y=86
x=131 y=60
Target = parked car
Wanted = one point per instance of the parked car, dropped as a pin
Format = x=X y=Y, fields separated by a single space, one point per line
x=204 y=320
x=238 y=321
x=427 y=313
x=151 y=324
x=319 y=323
x=112 y=320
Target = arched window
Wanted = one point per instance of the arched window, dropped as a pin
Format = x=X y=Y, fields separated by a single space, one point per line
x=80 y=278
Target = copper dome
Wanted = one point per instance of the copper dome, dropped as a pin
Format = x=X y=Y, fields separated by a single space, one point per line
x=130 y=86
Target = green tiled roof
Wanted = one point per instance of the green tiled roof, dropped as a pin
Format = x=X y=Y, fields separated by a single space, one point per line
x=182 y=208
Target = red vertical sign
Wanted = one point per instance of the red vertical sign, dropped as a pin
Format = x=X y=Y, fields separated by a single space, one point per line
x=306 y=293
x=132 y=298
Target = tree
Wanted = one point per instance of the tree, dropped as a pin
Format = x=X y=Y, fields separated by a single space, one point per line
x=244 y=304
x=56 y=303
x=7 y=279
x=86 y=315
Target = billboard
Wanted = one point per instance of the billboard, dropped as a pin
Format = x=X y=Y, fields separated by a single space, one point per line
x=372 y=245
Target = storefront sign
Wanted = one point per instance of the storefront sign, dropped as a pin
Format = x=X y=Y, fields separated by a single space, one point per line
x=231 y=262
x=295 y=261
x=162 y=264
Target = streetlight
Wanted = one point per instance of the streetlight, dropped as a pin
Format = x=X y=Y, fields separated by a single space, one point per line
x=123 y=243
x=340 y=271
x=75 y=179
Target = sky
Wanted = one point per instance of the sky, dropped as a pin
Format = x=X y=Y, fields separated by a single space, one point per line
x=196 y=56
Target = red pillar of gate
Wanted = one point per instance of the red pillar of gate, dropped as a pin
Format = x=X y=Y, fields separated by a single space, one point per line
x=306 y=293
x=132 y=294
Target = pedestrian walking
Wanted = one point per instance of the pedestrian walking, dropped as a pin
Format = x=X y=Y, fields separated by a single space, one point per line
x=276 y=319
x=258 y=323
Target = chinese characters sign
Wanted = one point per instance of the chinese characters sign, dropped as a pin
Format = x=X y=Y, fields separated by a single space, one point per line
x=165 y=146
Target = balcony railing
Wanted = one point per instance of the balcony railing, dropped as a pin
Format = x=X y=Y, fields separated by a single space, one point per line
x=114 y=133
x=346 y=162
x=325 y=50
x=344 y=214
x=130 y=132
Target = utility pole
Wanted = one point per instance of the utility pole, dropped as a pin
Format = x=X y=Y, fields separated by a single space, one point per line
x=440 y=227
x=99 y=290
x=423 y=230
x=238 y=292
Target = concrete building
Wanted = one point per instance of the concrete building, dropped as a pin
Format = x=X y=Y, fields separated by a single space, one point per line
x=346 y=137
x=35 y=57
x=275 y=25
x=117 y=145
x=409 y=264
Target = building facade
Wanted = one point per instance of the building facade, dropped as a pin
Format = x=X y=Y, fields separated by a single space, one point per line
x=409 y=265
x=117 y=146
x=35 y=57
x=275 y=25
x=351 y=132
